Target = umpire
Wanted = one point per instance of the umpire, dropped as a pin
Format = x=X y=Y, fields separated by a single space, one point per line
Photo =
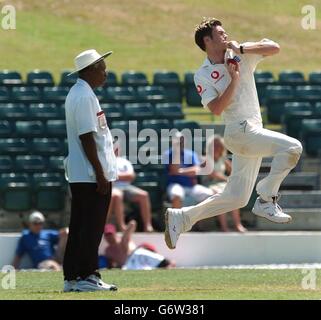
x=90 y=168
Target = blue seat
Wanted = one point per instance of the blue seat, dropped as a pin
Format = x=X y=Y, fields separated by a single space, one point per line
x=311 y=134
x=40 y=78
x=67 y=81
x=6 y=164
x=262 y=80
x=169 y=111
x=14 y=111
x=308 y=93
x=50 y=196
x=121 y=95
x=26 y=129
x=44 y=146
x=152 y=94
x=315 y=78
x=139 y=111
x=55 y=94
x=191 y=94
x=4 y=95
x=56 y=164
x=17 y=197
x=30 y=163
x=111 y=79
x=169 y=80
x=26 y=94
x=13 y=146
x=56 y=128
x=290 y=77
x=10 y=78
x=45 y=111
x=156 y=125
x=39 y=178
x=113 y=111
x=6 y=130
x=134 y=79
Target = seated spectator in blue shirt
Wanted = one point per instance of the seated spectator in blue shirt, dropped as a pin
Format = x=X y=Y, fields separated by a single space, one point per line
x=182 y=166
x=45 y=247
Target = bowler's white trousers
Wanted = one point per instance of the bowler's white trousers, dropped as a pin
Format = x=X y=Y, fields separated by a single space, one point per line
x=249 y=142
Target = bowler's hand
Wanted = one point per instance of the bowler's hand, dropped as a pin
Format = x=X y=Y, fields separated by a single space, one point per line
x=102 y=184
x=234 y=71
x=234 y=45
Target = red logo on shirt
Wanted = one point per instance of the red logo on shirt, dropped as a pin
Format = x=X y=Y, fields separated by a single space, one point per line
x=199 y=89
x=215 y=75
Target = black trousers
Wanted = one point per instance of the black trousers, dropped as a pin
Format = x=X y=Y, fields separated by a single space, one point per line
x=88 y=215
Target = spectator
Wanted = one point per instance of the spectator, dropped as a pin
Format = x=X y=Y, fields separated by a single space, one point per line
x=44 y=246
x=122 y=252
x=123 y=190
x=182 y=167
x=216 y=158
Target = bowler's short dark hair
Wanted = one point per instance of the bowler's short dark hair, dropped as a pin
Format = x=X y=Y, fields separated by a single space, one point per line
x=205 y=29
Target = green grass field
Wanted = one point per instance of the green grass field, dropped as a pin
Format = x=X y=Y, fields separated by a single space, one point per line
x=151 y=35
x=180 y=284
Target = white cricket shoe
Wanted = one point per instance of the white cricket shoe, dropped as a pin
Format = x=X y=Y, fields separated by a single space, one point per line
x=271 y=211
x=69 y=286
x=174 y=223
x=93 y=283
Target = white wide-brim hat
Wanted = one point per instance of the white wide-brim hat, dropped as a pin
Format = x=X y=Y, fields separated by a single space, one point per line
x=87 y=58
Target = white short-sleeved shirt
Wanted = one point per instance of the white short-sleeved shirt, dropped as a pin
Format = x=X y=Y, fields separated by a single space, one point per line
x=84 y=115
x=211 y=80
x=123 y=166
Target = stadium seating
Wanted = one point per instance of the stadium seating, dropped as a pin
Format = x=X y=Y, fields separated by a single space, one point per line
x=25 y=94
x=262 y=80
x=308 y=93
x=56 y=128
x=315 y=78
x=67 y=81
x=170 y=111
x=4 y=95
x=152 y=94
x=30 y=163
x=6 y=129
x=45 y=111
x=47 y=147
x=6 y=164
x=290 y=77
x=49 y=196
x=113 y=111
x=276 y=110
x=111 y=79
x=121 y=95
x=40 y=78
x=134 y=79
x=191 y=94
x=13 y=111
x=27 y=129
x=169 y=80
x=56 y=164
x=55 y=94
x=139 y=111
x=311 y=134
x=10 y=78
x=13 y=146
x=292 y=122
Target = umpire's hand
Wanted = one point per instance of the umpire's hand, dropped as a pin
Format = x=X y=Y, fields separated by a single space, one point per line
x=102 y=184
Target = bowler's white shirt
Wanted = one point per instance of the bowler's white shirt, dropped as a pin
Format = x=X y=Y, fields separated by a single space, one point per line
x=211 y=80
x=84 y=115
